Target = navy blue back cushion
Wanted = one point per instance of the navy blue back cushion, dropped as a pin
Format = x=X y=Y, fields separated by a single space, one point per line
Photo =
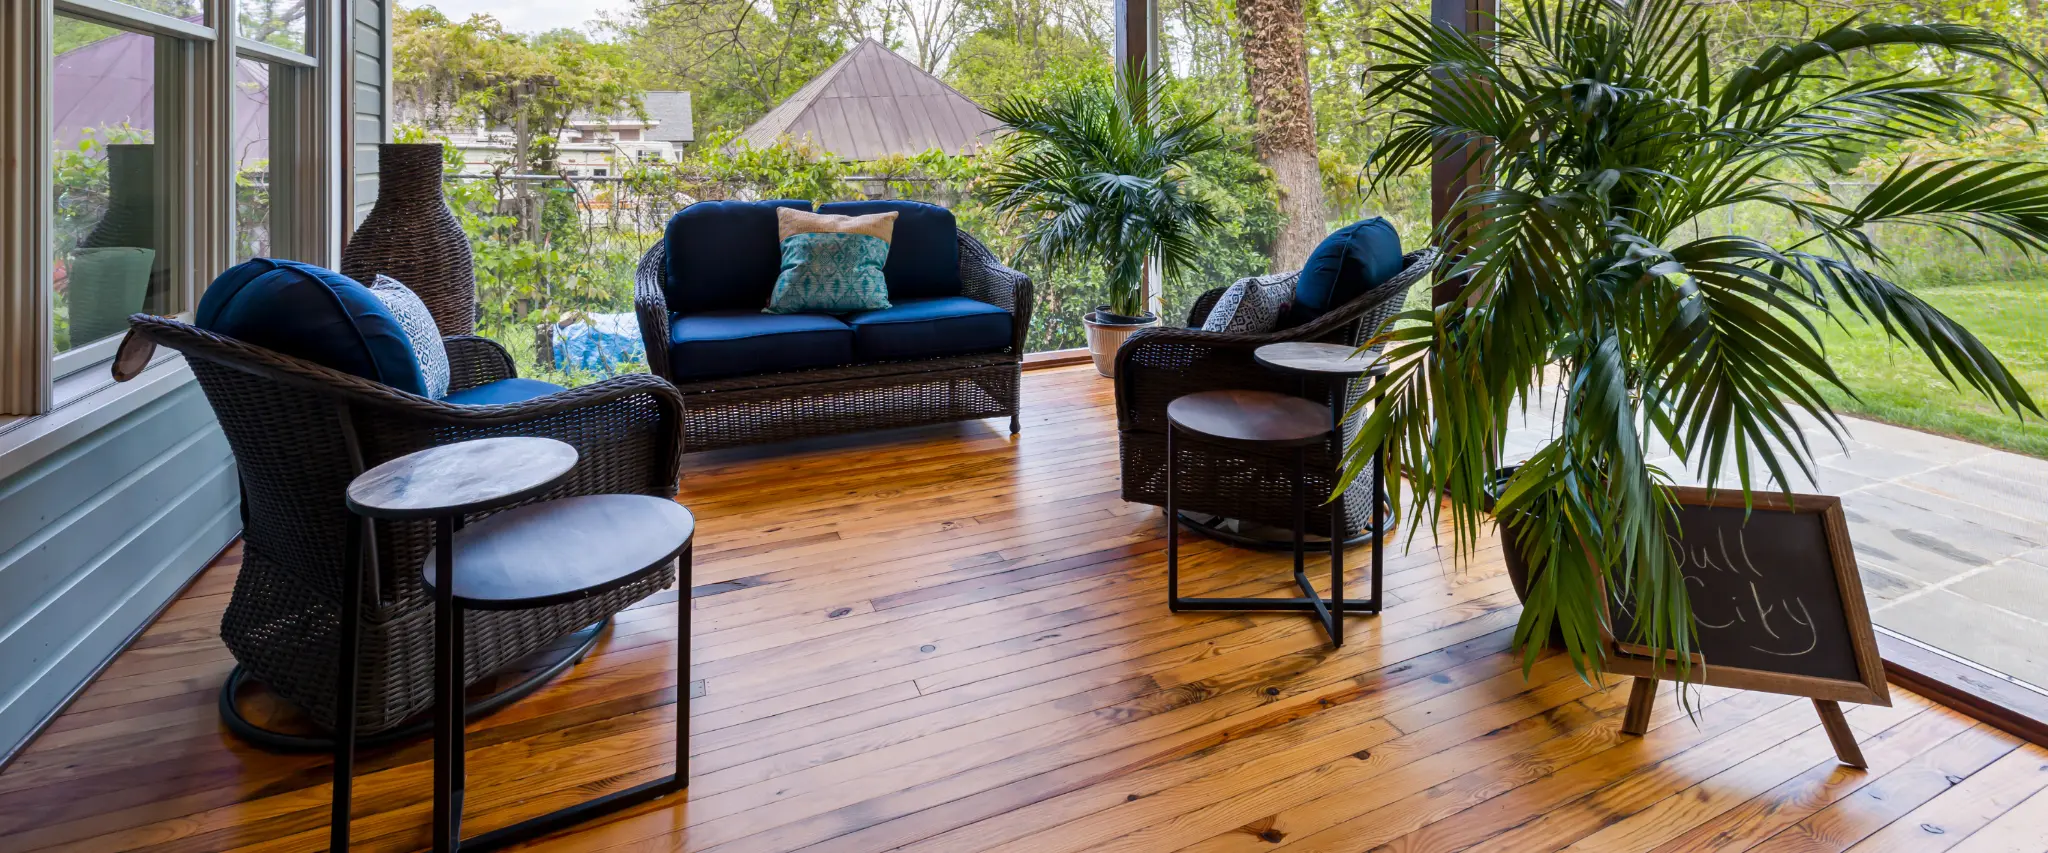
x=924 y=253
x=312 y=313
x=1352 y=260
x=724 y=255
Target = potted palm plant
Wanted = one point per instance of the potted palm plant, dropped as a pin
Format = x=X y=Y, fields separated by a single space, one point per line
x=1593 y=266
x=1097 y=171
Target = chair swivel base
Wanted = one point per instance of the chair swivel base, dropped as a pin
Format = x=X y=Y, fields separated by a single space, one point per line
x=572 y=652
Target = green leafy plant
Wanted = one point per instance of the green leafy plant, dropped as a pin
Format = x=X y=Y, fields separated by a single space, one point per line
x=1099 y=172
x=1588 y=261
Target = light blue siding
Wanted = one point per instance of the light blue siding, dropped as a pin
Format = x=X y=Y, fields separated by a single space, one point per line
x=96 y=539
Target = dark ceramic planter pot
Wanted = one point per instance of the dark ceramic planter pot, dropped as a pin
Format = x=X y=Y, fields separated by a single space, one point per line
x=1511 y=548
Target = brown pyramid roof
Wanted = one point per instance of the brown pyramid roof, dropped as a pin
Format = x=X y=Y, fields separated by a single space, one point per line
x=873 y=103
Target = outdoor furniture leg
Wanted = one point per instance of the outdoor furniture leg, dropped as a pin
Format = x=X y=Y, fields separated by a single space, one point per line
x=1337 y=558
x=1642 y=696
x=345 y=687
x=1172 y=533
x=448 y=776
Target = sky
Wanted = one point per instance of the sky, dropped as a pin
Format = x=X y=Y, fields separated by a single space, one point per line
x=527 y=16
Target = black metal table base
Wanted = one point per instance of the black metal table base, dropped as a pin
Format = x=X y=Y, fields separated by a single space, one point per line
x=270 y=740
x=1329 y=612
x=450 y=775
x=1212 y=527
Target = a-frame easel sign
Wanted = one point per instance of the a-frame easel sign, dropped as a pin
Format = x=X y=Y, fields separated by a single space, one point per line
x=1777 y=604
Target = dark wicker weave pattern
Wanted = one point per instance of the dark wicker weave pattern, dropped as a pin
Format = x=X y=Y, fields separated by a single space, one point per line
x=780 y=406
x=1157 y=366
x=301 y=432
x=412 y=236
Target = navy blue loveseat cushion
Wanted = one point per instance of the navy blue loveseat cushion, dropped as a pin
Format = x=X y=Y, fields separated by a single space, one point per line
x=929 y=328
x=716 y=344
x=924 y=254
x=312 y=313
x=1352 y=260
x=503 y=391
x=724 y=255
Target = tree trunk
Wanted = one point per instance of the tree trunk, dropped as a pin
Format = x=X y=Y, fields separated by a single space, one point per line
x=1271 y=36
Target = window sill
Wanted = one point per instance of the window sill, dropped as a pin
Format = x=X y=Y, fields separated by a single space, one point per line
x=84 y=402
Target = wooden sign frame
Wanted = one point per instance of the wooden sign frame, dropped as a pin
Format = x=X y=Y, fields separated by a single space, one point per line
x=1630 y=659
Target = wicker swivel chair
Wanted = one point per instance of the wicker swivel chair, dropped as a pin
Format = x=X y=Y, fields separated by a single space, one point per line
x=1157 y=366
x=300 y=432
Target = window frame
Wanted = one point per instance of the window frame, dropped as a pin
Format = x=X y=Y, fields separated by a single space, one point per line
x=304 y=122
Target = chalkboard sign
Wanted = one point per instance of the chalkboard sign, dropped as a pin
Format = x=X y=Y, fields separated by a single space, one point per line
x=1777 y=607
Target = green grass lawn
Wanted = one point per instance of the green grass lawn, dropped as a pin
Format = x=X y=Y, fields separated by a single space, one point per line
x=1895 y=384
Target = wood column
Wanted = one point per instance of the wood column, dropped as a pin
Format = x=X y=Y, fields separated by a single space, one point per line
x=1455 y=168
x=1137 y=32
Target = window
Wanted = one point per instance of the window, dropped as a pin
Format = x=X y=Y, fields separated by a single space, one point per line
x=113 y=180
x=152 y=157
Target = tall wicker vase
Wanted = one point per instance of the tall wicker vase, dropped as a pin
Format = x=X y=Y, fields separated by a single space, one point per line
x=412 y=236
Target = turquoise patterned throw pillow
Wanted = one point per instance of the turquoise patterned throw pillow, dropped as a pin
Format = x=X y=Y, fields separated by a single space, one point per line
x=831 y=264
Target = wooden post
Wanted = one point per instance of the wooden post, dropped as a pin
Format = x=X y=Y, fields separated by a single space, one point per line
x=1642 y=696
x=1455 y=168
x=1839 y=733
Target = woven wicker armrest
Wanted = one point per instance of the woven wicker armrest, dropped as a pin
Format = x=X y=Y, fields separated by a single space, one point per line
x=1198 y=313
x=985 y=279
x=474 y=360
x=650 y=305
x=627 y=429
x=1157 y=366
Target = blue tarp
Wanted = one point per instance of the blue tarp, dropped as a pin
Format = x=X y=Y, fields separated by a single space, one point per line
x=599 y=344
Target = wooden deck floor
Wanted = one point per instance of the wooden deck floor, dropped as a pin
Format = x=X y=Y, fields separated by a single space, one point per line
x=952 y=641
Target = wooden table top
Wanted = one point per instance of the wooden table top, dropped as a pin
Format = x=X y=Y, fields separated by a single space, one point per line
x=459 y=478
x=563 y=550
x=1251 y=417
x=1319 y=358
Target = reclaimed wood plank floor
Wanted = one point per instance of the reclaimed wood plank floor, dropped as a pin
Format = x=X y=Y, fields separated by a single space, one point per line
x=952 y=641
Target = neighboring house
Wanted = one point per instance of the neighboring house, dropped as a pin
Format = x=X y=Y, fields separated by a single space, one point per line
x=592 y=146
x=111 y=83
x=873 y=103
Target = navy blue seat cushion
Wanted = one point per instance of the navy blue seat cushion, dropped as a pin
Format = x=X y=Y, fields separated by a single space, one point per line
x=716 y=344
x=929 y=328
x=1352 y=260
x=924 y=253
x=501 y=392
x=312 y=313
x=724 y=255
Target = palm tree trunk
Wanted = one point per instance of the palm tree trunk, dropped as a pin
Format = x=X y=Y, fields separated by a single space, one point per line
x=1271 y=36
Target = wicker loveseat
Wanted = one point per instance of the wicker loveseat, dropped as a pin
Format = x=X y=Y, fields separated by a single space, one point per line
x=1157 y=366
x=950 y=348
x=301 y=431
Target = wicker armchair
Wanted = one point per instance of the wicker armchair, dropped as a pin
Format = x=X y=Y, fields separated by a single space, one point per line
x=300 y=432
x=769 y=407
x=1157 y=366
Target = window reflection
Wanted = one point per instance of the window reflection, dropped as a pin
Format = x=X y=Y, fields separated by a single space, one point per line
x=111 y=180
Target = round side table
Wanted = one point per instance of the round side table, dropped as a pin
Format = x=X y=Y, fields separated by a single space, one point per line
x=536 y=555
x=1266 y=422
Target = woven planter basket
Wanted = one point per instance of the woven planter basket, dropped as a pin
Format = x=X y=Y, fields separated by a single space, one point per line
x=412 y=236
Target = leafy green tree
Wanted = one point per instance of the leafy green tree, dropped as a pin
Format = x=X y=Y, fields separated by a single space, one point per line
x=450 y=74
x=737 y=58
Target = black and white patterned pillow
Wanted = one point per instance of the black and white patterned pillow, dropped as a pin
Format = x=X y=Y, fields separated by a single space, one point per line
x=418 y=323
x=1249 y=307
